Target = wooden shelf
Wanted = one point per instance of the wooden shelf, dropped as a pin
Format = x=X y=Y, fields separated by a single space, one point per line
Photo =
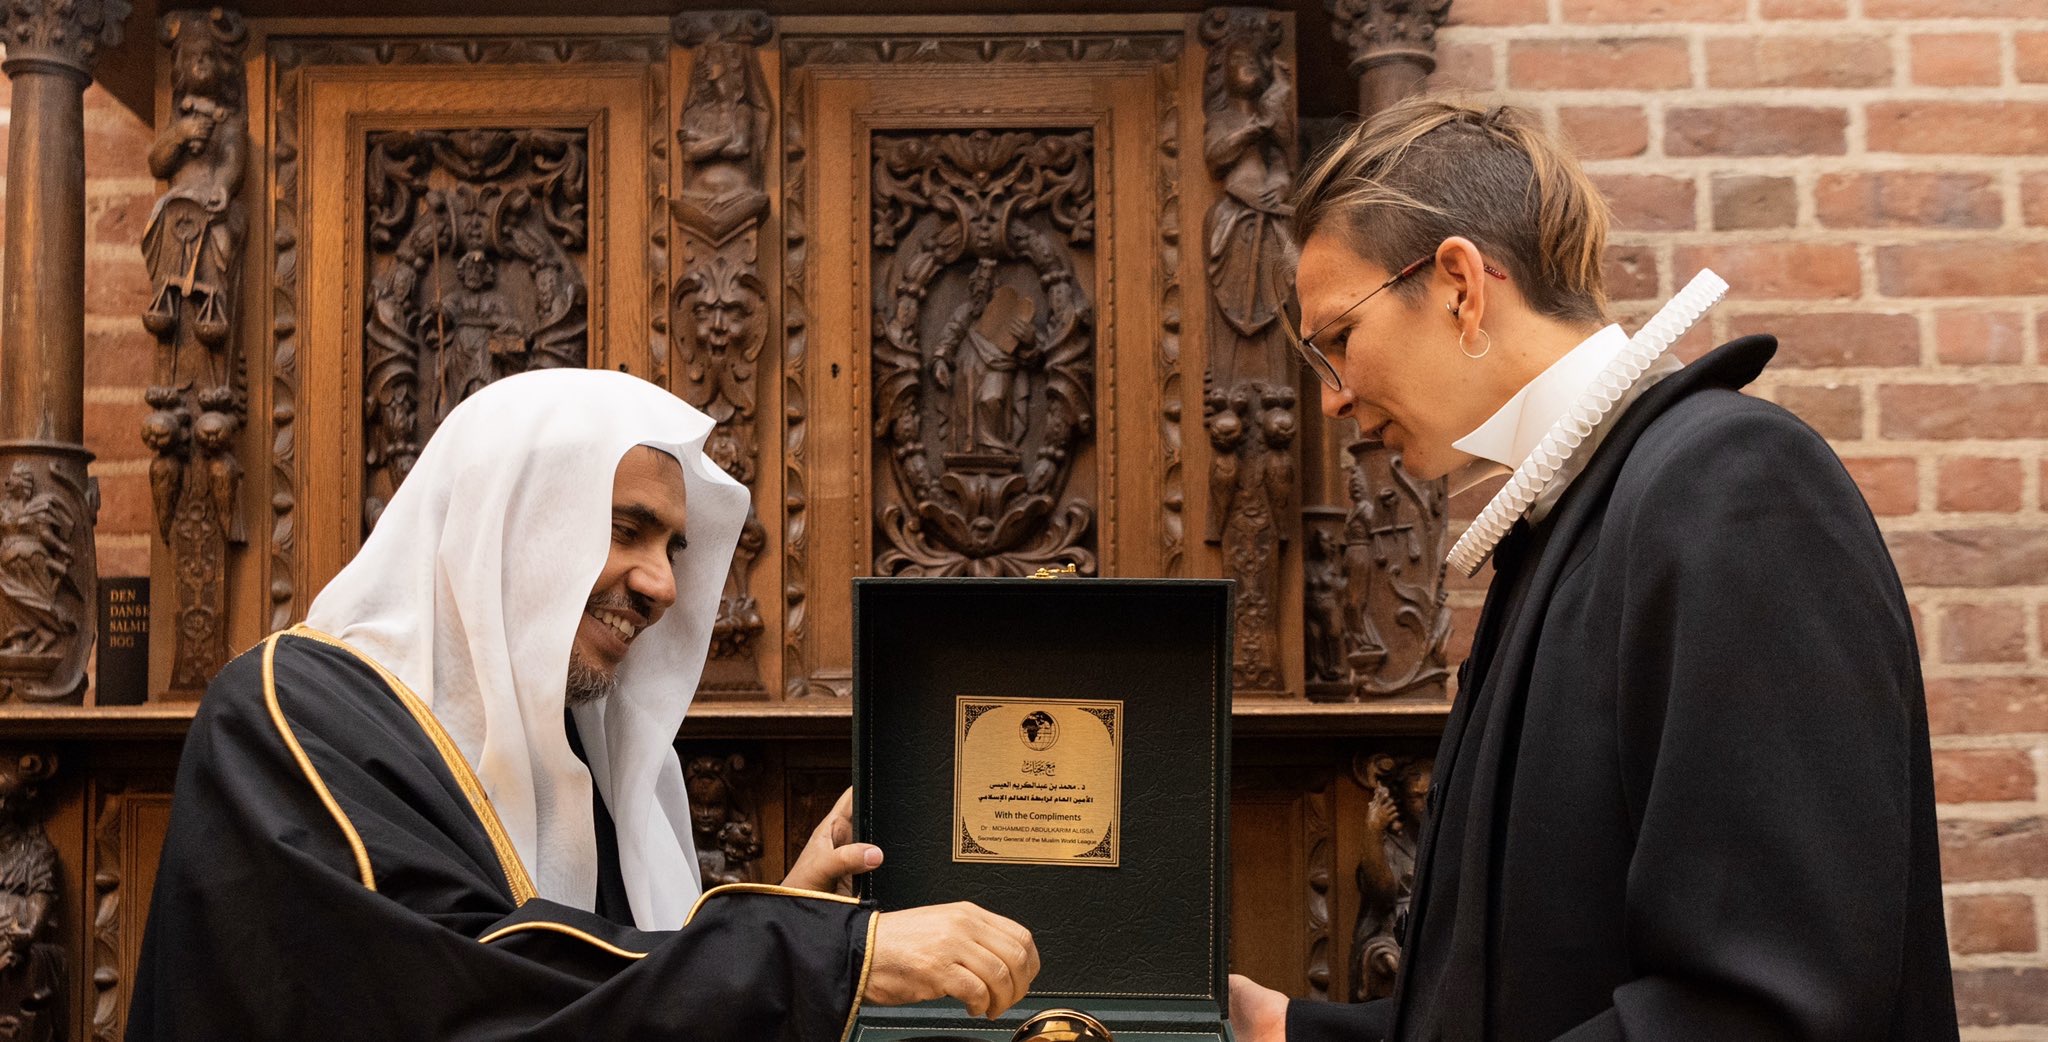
x=832 y=718
x=97 y=723
x=819 y=718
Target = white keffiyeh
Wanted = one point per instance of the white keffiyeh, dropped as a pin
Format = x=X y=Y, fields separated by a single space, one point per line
x=470 y=591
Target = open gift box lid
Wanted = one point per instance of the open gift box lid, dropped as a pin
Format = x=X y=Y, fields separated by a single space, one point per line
x=1056 y=751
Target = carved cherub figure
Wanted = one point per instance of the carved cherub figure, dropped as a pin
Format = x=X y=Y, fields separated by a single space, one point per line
x=215 y=433
x=1226 y=432
x=166 y=432
x=711 y=782
x=739 y=845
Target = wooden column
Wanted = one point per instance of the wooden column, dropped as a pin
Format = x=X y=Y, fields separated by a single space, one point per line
x=1392 y=45
x=47 y=582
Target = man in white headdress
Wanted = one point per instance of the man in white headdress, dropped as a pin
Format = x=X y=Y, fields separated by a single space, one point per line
x=449 y=807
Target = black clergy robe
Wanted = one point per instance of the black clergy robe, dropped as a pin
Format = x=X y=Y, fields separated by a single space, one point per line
x=1685 y=792
x=330 y=874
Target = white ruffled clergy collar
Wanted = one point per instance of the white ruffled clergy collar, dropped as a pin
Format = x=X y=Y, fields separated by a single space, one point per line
x=1511 y=434
x=1554 y=424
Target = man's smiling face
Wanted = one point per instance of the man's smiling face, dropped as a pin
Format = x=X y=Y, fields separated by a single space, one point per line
x=638 y=583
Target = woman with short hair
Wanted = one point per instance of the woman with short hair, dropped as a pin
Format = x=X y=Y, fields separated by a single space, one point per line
x=1685 y=791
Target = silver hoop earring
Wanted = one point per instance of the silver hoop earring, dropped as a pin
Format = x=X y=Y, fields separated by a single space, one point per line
x=1482 y=351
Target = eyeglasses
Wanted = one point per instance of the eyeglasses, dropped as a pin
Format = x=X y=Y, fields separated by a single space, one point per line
x=1319 y=363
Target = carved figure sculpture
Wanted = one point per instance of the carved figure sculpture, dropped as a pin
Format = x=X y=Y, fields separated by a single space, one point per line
x=725 y=126
x=166 y=432
x=1364 y=649
x=1324 y=619
x=728 y=845
x=215 y=433
x=32 y=1007
x=1248 y=95
x=193 y=245
x=35 y=564
x=477 y=332
x=194 y=236
x=1386 y=871
x=1248 y=100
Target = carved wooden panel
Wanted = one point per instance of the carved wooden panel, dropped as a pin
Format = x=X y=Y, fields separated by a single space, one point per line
x=992 y=390
x=47 y=579
x=1282 y=850
x=446 y=212
x=1397 y=610
x=129 y=825
x=984 y=353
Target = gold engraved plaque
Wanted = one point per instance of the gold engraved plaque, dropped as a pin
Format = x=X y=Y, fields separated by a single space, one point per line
x=1037 y=781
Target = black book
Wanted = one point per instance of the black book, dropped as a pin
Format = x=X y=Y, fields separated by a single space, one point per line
x=123 y=675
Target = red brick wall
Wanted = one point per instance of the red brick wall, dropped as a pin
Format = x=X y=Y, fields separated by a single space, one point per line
x=119 y=353
x=1872 y=178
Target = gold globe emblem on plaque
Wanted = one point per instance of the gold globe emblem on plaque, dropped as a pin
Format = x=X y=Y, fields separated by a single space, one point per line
x=1039 y=731
x=1062 y=1025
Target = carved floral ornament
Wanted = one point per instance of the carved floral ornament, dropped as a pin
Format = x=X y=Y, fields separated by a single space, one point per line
x=982 y=404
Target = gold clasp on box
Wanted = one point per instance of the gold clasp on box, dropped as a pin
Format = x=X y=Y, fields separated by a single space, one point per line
x=1068 y=572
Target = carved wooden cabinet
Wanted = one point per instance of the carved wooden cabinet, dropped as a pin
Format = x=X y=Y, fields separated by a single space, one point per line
x=966 y=294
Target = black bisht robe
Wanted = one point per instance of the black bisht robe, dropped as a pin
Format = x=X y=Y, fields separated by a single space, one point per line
x=1686 y=791
x=263 y=926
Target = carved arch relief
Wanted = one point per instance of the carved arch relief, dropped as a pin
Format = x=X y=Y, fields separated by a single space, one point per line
x=984 y=350
x=477 y=241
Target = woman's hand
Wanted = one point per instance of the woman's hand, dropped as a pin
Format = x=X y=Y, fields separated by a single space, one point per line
x=1257 y=1013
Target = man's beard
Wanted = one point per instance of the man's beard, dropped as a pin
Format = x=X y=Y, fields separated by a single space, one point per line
x=588 y=683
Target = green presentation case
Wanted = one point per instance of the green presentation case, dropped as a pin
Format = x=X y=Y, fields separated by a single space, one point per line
x=1142 y=946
